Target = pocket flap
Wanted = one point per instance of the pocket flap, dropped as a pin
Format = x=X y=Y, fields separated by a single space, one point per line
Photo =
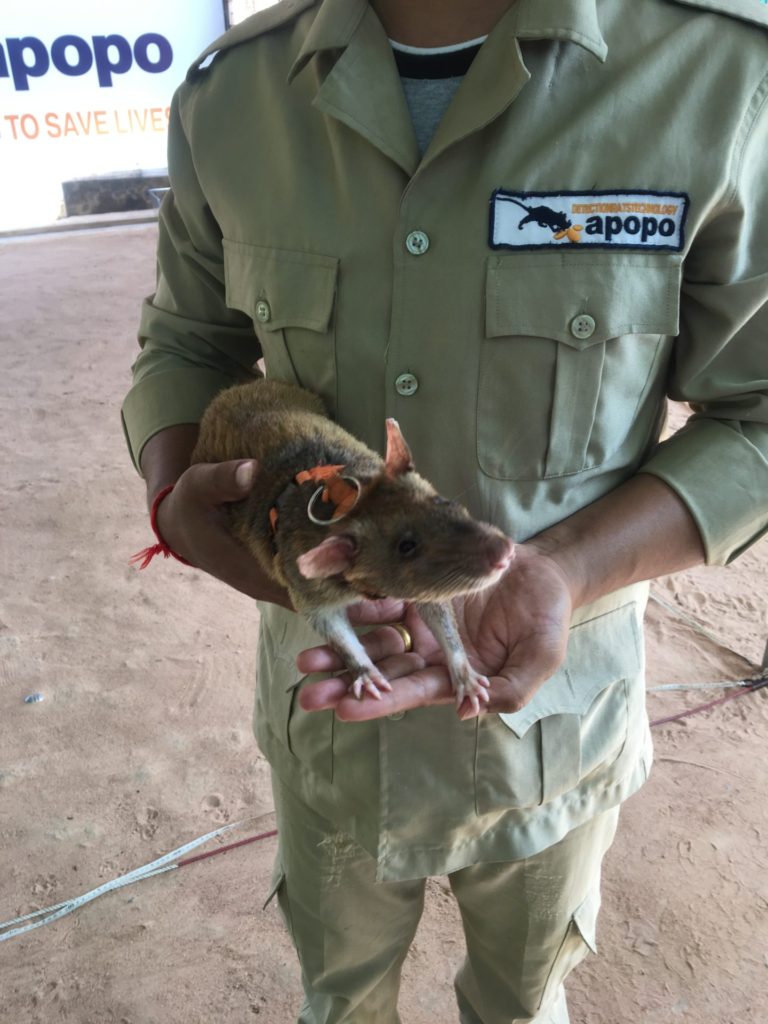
x=290 y=288
x=601 y=651
x=278 y=877
x=545 y=295
x=585 y=918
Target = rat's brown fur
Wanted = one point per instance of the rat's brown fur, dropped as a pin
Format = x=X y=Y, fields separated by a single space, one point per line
x=286 y=429
x=400 y=540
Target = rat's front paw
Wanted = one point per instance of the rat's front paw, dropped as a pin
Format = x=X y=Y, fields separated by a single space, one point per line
x=369 y=680
x=470 y=684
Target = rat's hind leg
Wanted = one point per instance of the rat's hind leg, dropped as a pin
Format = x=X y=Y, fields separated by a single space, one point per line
x=333 y=625
x=466 y=682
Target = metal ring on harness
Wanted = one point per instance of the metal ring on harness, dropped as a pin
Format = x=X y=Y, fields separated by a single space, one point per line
x=337 y=515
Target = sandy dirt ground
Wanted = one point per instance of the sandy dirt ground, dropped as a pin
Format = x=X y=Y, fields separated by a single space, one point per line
x=143 y=740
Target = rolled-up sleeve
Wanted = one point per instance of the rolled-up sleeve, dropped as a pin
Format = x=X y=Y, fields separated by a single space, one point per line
x=192 y=344
x=718 y=462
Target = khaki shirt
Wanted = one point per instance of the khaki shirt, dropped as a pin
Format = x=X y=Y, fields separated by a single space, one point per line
x=527 y=362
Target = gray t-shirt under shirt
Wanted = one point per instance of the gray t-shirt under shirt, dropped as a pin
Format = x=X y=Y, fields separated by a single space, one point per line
x=430 y=78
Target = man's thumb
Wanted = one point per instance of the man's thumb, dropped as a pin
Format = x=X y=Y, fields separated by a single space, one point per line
x=220 y=482
x=245 y=474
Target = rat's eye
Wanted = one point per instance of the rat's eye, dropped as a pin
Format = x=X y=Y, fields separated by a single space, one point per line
x=439 y=500
x=408 y=547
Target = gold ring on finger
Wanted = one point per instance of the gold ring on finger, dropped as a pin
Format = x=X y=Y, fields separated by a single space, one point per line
x=407 y=638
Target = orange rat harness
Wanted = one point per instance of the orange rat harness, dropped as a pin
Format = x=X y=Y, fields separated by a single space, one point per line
x=337 y=491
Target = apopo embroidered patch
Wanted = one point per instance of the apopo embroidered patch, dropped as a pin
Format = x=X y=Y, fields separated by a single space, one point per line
x=618 y=220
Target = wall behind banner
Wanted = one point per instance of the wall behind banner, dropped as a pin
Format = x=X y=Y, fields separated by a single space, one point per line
x=84 y=91
x=241 y=9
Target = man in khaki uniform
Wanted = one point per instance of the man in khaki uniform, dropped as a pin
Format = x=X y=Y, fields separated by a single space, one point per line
x=520 y=263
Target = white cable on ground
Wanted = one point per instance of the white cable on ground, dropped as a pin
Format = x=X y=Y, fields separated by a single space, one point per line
x=157 y=867
x=695 y=624
x=691 y=621
x=730 y=685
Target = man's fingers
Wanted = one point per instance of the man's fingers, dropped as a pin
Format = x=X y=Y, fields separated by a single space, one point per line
x=218 y=482
x=420 y=688
x=380 y=643
x=531 y=660
x=423 y=688
x=508 y=695
x=372 y=613
x=323 y=695
x=512 y=690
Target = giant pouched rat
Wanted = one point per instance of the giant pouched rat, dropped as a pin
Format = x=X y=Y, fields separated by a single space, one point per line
x=333 y=522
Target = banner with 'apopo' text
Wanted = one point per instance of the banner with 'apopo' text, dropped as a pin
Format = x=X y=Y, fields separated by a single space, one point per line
x=85 y=88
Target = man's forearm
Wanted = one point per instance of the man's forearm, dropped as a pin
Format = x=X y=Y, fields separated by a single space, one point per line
x=637 y=532
x=166 y=455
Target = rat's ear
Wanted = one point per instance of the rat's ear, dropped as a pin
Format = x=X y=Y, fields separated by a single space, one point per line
x=334 y=555
x=398 y=459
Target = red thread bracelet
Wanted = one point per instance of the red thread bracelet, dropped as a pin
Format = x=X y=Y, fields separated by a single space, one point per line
x=161 y=548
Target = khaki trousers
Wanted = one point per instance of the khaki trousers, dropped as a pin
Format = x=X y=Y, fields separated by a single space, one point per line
x=526 y=923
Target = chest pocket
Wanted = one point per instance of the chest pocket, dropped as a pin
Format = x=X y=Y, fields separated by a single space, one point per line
x=571 y=344
x=290 y=297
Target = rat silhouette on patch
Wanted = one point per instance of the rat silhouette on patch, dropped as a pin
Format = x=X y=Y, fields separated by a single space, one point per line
x=546 y=217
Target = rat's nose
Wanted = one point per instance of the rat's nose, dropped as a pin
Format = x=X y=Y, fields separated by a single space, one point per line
x=500 y=553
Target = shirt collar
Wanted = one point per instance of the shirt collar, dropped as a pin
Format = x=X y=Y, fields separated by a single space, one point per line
x=332 y=29
x=574 y=20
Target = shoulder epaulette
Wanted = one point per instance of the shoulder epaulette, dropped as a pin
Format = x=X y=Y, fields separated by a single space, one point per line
x=755 y=11
x=259 y=23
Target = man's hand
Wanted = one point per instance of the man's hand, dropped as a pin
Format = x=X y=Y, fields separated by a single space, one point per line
x=192 y=519
x=516 y=633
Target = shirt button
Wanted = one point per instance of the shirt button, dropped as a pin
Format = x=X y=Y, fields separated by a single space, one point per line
x=417 y=243
x=583 y=326
x=263 y=311
x=406 y=385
